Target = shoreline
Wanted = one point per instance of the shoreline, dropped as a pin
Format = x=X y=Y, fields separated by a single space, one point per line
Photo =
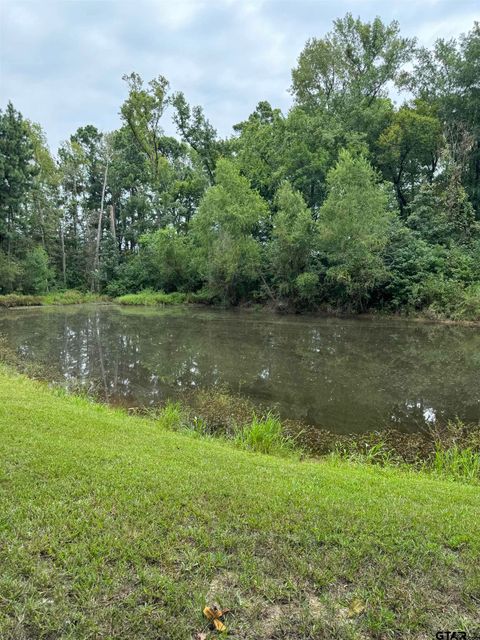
x=18 y=301
x=451 y=449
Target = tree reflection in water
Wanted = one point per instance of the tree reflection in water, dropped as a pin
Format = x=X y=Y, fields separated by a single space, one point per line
x=344 y=374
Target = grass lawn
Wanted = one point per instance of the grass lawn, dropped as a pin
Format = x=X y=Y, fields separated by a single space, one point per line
x=112 y=526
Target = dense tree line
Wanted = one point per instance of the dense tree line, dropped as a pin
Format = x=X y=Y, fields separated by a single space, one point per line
x=347 y=201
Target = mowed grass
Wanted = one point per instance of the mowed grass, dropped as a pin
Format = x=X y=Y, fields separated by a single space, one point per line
x=112 y=526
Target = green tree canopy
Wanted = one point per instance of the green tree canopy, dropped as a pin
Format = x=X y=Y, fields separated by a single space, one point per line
x=225 y=231
x=354 y=228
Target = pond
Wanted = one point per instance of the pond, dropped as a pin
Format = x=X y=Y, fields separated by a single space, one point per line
x=348 y=375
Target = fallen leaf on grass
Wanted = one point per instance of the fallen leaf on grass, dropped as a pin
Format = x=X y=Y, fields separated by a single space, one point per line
x=356 y=608
x=214 y=614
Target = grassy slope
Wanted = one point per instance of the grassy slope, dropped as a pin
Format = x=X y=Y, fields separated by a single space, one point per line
x=112 y=527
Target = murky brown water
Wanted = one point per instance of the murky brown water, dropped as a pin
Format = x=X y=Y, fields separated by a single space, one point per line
x=343 y=374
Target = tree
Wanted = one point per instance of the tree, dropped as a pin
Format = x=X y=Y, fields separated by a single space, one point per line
x=291 y=251
x=37 y=273
x=352 y=63
x=224 y=229
x=16 y=174
x=408 y=150
x=141 y=112
x=446 y=77
x=442 y=213
x=197 y=131
x=300 y=148
x=354 y=228
x=166 y=260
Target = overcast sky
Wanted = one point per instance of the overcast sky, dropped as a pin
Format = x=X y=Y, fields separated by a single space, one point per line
x=62 y=61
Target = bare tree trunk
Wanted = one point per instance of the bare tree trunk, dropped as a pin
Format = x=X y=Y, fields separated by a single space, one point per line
x=99 y=230
x=64 y=258
x=112 y=223
x=75 y=208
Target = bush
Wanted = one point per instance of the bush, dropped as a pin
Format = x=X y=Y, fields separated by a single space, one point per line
x=59 y=297
x=71 y=296
x=469 y=307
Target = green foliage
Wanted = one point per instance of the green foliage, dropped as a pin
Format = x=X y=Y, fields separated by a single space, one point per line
x=142 y=112
x=10 y=273
x=292 y=247
x=55 y=298
x=152 y=298
x=172 y=417
x=354 y=230
x=457 y=463
x=409 y=149
x=225 y=232
x=71 y=296
x=306 y=285
x=446 y=76
x=354 y=61
x=288 y=211
x=18 y=300
x=197 y=132
x=37 y=272
x=443 y=217
x=166 y=258
x=16 y=174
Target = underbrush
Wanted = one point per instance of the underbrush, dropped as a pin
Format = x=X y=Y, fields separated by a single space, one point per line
x=72 y=296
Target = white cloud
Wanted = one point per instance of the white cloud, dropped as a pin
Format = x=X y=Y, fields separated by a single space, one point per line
x=62 y=60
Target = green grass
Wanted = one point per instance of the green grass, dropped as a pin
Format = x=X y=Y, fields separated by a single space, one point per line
x=115 y=526
x=152 y=298
x=57 y=298
x=455 y=462
x=265 y=435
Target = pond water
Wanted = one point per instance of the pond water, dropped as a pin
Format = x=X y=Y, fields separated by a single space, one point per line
x=349 y=375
